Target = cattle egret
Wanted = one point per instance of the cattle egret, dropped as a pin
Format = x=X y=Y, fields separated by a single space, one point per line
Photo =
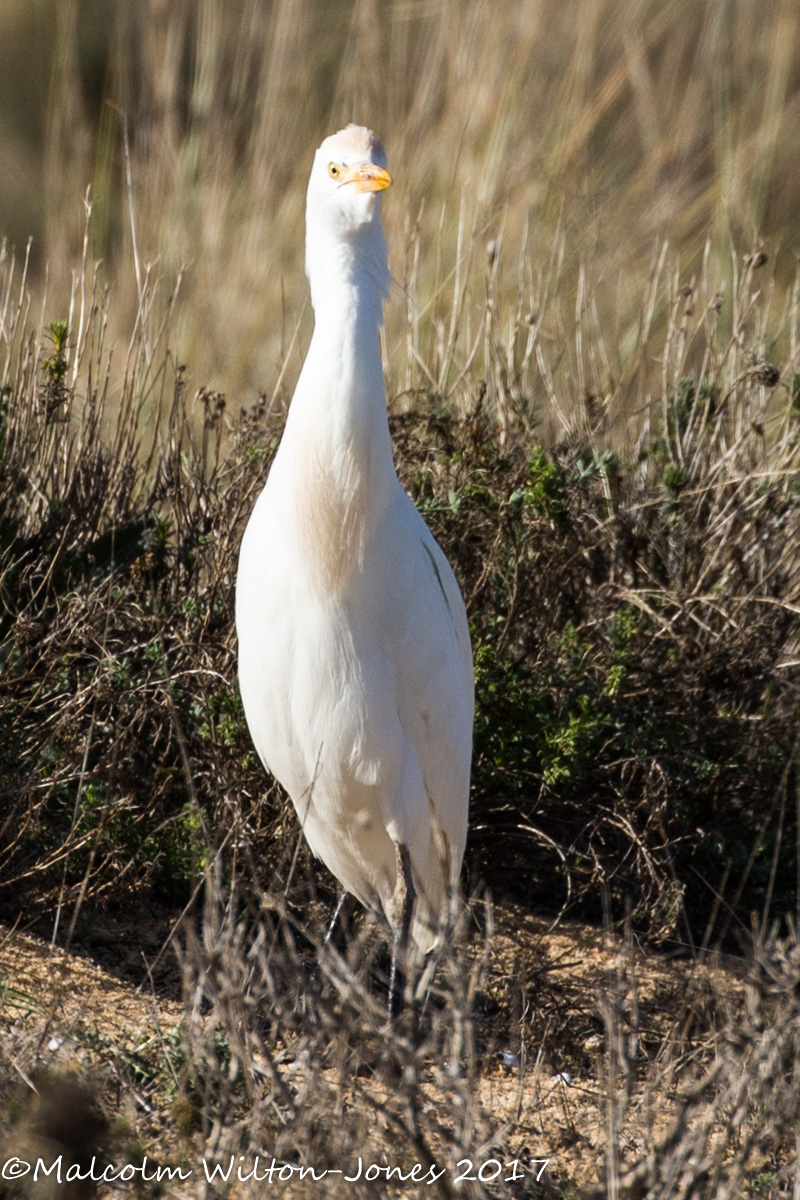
x=354 y=656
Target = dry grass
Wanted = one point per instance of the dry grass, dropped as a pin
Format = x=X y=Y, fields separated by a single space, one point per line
x=634 y=619
x=634 y=616
x=625 y=1075
x=594 y=379
x=573 y=137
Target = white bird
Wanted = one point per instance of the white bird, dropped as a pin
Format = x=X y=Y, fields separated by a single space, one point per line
x=355 y=665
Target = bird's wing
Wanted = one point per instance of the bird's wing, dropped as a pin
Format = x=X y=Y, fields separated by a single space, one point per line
x=428 y=635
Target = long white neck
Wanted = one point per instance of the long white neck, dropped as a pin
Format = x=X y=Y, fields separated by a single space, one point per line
x=335 y=457
x=336 y=258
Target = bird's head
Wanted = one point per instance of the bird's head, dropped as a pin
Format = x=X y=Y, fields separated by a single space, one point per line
x=343 y=202
x=347 y=178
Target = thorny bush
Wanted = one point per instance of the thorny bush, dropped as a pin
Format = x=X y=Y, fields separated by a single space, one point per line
x=633 y=615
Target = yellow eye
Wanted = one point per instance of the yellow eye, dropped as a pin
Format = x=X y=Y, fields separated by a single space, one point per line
x=334 y=170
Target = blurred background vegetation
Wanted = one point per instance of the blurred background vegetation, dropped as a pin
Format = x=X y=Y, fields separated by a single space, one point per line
x=582 y=134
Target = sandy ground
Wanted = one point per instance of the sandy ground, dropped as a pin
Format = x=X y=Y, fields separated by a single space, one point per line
x=545 y=1080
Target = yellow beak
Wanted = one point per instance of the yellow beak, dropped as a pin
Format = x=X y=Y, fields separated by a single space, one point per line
x=367 y=177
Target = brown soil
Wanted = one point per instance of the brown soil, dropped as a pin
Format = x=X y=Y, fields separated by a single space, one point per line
x=545 y=1076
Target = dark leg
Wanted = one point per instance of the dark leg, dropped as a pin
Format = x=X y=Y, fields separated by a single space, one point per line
x=402 y=910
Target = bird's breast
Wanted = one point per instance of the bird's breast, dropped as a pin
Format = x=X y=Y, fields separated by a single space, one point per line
x=337 y=500
x=329 y=516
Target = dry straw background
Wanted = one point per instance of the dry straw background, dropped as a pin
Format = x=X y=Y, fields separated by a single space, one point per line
x=580 y=138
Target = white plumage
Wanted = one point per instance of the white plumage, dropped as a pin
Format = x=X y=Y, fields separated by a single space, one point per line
x=354 y=657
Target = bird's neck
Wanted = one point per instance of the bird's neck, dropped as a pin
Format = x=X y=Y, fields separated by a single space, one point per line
x=338 y=266
x=336 y=447
x=340 y=395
